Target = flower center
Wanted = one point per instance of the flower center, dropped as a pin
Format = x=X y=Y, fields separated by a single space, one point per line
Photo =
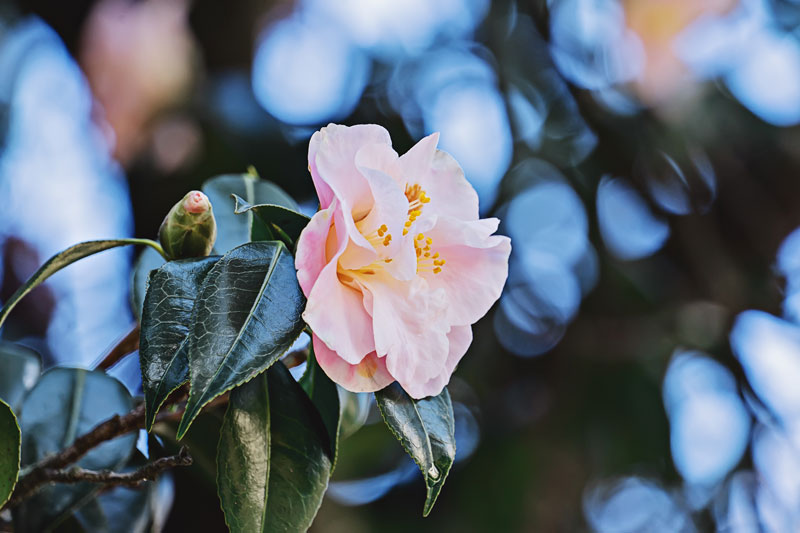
x=427 y=259
x=416 y=200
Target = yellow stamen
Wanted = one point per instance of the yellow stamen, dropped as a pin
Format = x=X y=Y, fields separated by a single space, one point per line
x=416 y=198
x=387 y=260
x=426 y=263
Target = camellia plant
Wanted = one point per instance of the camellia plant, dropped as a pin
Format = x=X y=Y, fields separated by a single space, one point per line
x=387 y=279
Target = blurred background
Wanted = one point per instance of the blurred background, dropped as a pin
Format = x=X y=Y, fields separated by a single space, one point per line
x=642 y=369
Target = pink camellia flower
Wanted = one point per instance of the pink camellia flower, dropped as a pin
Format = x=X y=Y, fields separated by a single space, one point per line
x=396 y=265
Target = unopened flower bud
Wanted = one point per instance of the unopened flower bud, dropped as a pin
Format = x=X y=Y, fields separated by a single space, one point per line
x=189 y=229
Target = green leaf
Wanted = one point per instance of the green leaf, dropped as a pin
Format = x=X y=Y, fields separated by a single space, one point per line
x=19 y=369
x=273 y=463
x=246 y=316
x=277 y=220
x=9 y=452
x=325 y=397
x=147 y=261
x=64 y=404
x=234 y=230
x=426 y=429
x=61 y=260
x=166 y=319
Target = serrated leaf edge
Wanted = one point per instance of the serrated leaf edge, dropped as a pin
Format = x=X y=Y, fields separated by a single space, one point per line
x=185 y=423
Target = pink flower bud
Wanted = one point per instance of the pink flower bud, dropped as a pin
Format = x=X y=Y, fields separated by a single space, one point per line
x=196 y=202
x=189 y=229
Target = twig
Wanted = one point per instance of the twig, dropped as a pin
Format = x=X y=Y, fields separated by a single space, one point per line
x=124 y=346
x=130 y=479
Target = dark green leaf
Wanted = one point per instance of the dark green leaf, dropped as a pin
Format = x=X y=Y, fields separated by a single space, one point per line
x=64 y=404
x=275 y=219
x=426 y=430
x=273 y=463
x=325 y=397
x=147 y=261
x=234 y=230
x=9 y=452
x=246 y=316
x=19 y=369
x=166 y=318
x=61 y=260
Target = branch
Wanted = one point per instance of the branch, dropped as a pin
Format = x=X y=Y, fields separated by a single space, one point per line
x=131 y=479
x=115 y=426
x=124 y=346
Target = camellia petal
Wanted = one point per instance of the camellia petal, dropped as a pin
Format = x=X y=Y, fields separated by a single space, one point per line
x=334 y=166
x=442 y=178
x=338 y=146
x=369 y=375
x=475 y=269
x=381 y=157
x=409 y=327
x=336 y=312
x=460 y=337
x=311 y=257
x=377 y=228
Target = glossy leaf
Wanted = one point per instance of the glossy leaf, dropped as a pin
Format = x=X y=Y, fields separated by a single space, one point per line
x=325 y=397
x=19 y=369
x=147 y=261
x=64 y=404
x=273 y=463
x=234 y=230
x=166 y=319
x=61 y=260
x=277 y=220
x=246 y=316
x=426 y=429
x=9 y=452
